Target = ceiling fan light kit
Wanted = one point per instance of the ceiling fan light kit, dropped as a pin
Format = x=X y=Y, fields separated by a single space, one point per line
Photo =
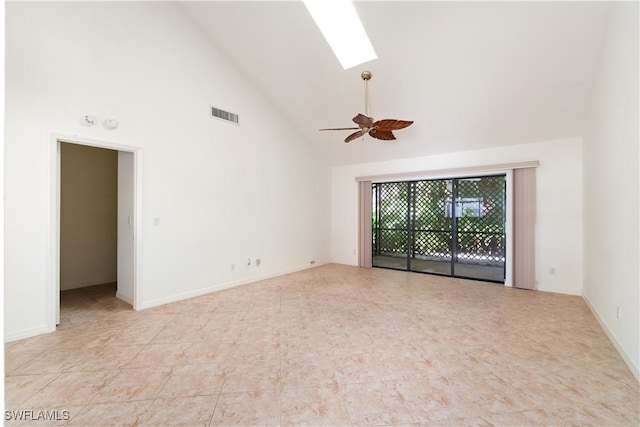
x=381 y=129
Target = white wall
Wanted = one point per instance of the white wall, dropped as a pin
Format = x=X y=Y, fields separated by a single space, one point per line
x=2 y=192
x=558 y=209
x=611 y=186
x=222 y=193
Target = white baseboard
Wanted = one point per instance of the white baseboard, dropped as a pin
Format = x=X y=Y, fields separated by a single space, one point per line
x=124 y=298
x=27 y=333
x=68 y=287
x=221 y=287
x=627 y=360
x=32 y=332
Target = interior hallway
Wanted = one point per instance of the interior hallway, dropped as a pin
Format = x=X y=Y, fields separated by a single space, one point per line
x=332 y=345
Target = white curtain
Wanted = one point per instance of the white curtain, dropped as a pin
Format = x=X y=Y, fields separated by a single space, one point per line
x=524 y=223
x=364 y=224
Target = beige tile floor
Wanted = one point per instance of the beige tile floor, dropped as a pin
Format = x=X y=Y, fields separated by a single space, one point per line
x=334 y=346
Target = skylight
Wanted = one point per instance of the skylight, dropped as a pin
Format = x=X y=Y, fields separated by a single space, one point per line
x=341 y=27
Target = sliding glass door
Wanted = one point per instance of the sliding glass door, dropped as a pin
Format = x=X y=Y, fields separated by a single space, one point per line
x=431 y=227
x=390 y=222
x=452 y=227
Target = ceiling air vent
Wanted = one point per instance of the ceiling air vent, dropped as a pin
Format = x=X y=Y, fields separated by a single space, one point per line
x=224 y=115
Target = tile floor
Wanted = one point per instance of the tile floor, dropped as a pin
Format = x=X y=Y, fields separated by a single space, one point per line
x=334 y=346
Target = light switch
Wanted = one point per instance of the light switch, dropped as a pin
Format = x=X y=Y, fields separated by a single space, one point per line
x=156 y=221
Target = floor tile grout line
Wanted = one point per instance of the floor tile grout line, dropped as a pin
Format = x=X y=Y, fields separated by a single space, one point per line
x=215 y=406
x=153 y=401
x=95 y=394
x=39 y=390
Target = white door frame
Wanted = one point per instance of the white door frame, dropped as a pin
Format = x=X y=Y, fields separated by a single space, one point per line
x=53 y=270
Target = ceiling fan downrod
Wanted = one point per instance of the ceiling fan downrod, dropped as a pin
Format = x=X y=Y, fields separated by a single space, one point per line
x=380 y=129
x=366 y=76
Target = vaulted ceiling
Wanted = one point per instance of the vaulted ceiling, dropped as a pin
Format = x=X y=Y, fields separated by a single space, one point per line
x=470 y=74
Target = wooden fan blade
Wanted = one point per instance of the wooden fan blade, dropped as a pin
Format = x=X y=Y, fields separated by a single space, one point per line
x=391 y=124
x=363 y=121
x=340 y=129
x=355 y=135
x=385 y=135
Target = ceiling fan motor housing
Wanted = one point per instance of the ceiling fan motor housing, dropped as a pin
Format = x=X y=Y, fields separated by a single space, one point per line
x=381 y=129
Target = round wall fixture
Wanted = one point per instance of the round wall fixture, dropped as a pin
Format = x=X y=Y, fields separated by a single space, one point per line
x=88 y=121
x=110 y=124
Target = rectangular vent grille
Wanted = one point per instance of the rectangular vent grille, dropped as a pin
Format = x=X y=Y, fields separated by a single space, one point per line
x=224 y=115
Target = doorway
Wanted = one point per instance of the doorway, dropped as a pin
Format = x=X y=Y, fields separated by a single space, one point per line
x=88 y=216
x=98 y=245
x=453 y=227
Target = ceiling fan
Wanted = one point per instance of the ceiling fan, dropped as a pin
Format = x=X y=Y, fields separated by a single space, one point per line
x=380 y=129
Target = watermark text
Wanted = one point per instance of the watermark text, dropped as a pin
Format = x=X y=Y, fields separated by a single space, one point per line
x=36 y=415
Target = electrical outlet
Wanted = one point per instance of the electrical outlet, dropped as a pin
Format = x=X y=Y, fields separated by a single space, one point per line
x=552 y=271
x=618 y=313
x=233 y=267
x=258 y=261
x=312 y=262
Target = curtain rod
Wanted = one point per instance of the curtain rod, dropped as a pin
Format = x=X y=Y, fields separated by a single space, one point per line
x=405 y=176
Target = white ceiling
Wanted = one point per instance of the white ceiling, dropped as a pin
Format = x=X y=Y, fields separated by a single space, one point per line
x=470 y=74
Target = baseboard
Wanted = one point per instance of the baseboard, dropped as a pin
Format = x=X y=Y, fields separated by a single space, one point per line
x=627 y=360
x=68 y=287
x=44 y=329
x=27 y=333
x=124 y=298
x=221 y=287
